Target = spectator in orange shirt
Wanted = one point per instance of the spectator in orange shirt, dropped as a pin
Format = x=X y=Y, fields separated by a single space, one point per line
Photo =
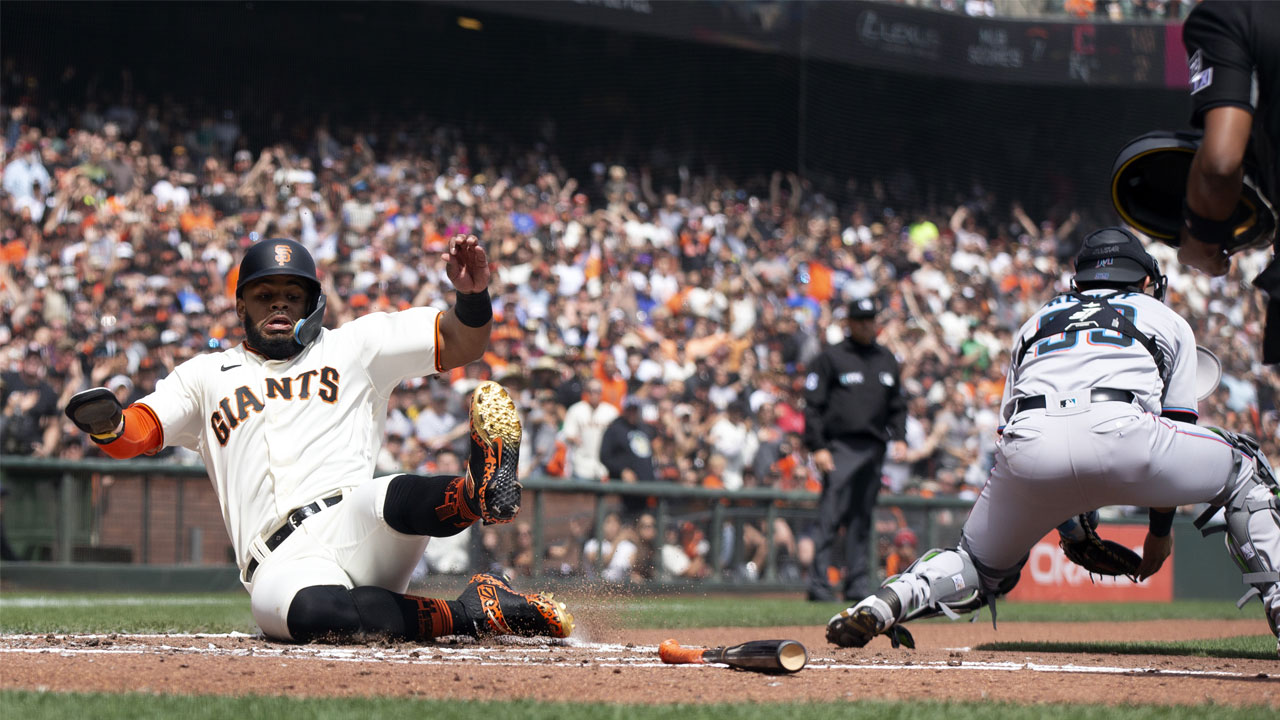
x=905 y=550
x=197 y=216
x=613 y=386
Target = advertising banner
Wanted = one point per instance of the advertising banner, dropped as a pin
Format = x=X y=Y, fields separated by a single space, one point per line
x=882 y=35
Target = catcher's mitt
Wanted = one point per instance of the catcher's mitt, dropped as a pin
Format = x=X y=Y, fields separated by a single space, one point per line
x=1099 y=556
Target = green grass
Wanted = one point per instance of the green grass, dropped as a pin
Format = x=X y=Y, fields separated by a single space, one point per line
x=226 y=612
x=99 y=613
x=1256 y=647
x=216 y=613
x=739 y=611
x=133 y=706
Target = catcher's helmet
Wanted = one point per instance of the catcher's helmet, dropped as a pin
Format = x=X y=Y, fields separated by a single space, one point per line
x=1115 y=255
x=1149 y=182
x=281 y=256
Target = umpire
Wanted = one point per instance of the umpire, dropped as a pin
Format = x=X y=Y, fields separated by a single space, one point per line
x=853 y=408
x=1233 y=55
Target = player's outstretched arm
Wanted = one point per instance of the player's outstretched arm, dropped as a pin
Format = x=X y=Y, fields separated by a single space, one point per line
x=121 y=432
x=464 y=328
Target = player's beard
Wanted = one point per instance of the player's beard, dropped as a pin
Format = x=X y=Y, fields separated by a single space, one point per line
x=277 y=347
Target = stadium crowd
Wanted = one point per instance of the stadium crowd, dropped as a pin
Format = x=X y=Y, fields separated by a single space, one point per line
x=654 y=321
x=1105 y=10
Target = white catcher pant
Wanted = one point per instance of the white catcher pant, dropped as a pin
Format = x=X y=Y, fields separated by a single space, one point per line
x=348 y=544
x=1051 y=465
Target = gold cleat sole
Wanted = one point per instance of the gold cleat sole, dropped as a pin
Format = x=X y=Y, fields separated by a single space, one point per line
x=495 y=452
x=493 y=414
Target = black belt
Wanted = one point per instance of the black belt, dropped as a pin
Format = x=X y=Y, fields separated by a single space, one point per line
x=291 y=523
x=1037 y=402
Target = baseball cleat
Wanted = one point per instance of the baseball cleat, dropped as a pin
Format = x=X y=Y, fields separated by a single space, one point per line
x=495 y=453
x=855 y=626
x=496 y=609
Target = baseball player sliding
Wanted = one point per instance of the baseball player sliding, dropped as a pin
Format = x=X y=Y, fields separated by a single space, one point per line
x=1100 y=409
x=289 y=423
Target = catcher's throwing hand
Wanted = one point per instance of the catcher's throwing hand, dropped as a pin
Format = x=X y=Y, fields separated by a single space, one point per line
x=1155 y=550
x=97 y=412
x=467 y=264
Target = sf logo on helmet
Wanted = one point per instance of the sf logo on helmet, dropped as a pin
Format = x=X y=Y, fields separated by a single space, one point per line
x=284 y=253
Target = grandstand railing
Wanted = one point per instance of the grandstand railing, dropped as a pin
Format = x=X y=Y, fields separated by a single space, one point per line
x=50 y=513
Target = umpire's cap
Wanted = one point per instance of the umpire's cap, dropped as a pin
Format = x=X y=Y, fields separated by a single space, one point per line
x=862 y=308
x=277 y=256
x=1115 y=255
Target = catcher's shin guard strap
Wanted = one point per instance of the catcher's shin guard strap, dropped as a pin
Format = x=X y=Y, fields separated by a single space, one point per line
x=995 y=583
x=1251 y=519
x=941 y=582
x=1253 y=537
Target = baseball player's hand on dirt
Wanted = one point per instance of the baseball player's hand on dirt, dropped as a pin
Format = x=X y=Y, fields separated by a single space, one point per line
x=1155 y=550
x=466 y=264
x=1203 y=256
x=823 y=461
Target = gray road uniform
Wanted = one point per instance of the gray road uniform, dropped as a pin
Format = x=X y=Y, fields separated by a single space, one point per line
x=1092 y=417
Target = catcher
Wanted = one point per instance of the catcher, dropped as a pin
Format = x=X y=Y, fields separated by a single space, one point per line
x=289 y=424
x=1099 y=409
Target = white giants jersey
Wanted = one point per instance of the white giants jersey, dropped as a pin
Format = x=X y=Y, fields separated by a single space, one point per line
x=1098 y=358
x=278 y=434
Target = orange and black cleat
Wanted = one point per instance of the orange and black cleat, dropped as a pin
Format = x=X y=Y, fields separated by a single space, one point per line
x=495 y=453
x=496 y=609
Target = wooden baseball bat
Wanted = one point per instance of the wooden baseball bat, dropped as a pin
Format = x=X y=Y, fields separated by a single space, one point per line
x=770 y=656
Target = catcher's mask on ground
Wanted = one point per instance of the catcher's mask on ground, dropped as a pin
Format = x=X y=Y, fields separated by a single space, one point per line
x=1149 y=182
x=1114 y=255
x=281 y=256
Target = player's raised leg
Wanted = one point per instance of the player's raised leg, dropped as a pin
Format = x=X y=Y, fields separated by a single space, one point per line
x=495 y=453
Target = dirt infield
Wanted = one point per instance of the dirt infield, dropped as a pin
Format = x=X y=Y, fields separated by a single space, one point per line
x=623 y=667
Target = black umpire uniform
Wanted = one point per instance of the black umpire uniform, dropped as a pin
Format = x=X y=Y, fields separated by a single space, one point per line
x=1233 y=51
x=853 y=408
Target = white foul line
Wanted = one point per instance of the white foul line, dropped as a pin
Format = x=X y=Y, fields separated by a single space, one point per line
x=521 y=654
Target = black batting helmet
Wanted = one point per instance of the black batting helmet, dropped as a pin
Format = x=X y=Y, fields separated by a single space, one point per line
x=282 y=256
x=277 y=256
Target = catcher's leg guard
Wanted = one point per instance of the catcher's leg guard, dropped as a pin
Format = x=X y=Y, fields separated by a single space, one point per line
x=1252 y=527
x=941 y=582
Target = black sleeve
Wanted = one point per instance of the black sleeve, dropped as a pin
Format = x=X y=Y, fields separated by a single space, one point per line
x=816 y=386
x=896 y=420
x=611 y=455
x=1180 y=416
x=1218 y=58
